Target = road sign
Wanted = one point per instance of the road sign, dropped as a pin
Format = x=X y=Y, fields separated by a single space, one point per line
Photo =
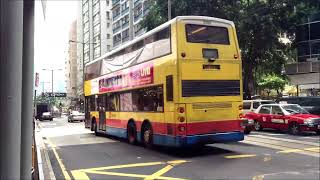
x=56 y=94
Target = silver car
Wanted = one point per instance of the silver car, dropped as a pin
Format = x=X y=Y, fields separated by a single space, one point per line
x=76 y=116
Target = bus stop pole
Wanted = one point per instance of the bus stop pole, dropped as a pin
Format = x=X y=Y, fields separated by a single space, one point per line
x=27 y=89
x=11 y=40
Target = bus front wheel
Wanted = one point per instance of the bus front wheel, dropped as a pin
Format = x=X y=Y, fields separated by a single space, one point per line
x=147 y=135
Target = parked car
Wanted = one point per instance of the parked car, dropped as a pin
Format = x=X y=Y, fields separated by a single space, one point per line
x=291 y=117
x=46 y=116
x=252 y=105
x=310 y=103
x=76 y=116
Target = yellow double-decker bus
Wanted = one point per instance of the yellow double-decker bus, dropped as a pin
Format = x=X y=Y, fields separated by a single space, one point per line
x=179 y=84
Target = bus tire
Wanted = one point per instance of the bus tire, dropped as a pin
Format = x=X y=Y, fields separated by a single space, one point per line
x=93 y=124
x=131 y=132
x=147 y=134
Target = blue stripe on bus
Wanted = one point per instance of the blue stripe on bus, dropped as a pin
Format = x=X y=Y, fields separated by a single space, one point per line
x=180 y=141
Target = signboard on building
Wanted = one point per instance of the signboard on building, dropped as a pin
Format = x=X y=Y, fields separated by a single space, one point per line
x=55 y=94
x=36 y=80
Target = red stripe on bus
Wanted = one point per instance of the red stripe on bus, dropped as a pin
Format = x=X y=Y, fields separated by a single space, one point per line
x=213 y=127
x=192 y=128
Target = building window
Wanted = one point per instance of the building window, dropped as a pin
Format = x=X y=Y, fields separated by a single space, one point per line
x=125 y=20
x=108 y=25
x=97 y=40
x=96 y=18
x=117 y=39
x=86 y=26
x=108 y=36
x=108 y=15
x=125 y=6
x=86 y=36
x=116 y=26
x=86 y=16
x=96 y=52
x=96 y=29
x=108 y=2
x=116 y=12
x=125 y=35
x=108 y=47
x=137 y=12
x=96 y=7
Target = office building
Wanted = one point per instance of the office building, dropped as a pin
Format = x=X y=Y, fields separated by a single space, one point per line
x=94 y=37
x=71 y=64
x=305 y=73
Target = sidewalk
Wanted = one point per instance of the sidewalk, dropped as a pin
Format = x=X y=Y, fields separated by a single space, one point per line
x=44 y=164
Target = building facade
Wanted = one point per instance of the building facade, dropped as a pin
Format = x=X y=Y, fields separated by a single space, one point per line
x=126 y=19
x=104 y=25
x=305 y=73
x=94 y=37
x=71 y=67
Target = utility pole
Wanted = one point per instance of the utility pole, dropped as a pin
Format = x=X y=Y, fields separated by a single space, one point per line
x=11 y=54
x=169 y=10
x=27 y=89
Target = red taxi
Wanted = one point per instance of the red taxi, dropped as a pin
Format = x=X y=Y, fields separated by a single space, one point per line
x=289 y=117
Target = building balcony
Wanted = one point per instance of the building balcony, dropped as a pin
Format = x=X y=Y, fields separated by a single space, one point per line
x=114 y=2
x=125 y=11
x=124 y=25
x=136 y=2
x=117 y=29
x=116 y=17
x=137 y=17
x=302 y=68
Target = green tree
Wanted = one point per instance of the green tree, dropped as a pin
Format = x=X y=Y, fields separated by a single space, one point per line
x=259 y=23
x=273 y=82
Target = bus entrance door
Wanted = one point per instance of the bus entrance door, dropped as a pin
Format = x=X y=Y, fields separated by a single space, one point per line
x=102 y=119
x=102 y=113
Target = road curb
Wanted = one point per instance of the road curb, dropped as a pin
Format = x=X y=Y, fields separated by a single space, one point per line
x=44 y=163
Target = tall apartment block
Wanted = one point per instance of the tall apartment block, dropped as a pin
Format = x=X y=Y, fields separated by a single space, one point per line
x=71 y=64
x=126 y=19
x=94 y=35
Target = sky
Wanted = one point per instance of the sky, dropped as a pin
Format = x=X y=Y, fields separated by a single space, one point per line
x=51 y=42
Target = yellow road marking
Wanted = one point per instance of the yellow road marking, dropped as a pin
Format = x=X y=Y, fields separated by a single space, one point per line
x=78 y=174
x=63 y=169
x=127 y=166
x=316 y=149
x=159 y=173
x=268 y=158
x=82 y=173
x=290 y=151
x=240 y=156
x=258 y=177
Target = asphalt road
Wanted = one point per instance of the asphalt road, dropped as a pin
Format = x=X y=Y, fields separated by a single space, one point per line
x=76 y=153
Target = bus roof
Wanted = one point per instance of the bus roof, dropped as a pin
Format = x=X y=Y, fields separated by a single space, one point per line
x=178 y=18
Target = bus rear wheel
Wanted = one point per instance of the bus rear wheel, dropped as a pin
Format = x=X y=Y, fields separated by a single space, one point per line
x=132 y=133
x=147 y=135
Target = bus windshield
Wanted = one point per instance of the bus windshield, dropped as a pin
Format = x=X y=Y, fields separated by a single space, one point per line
x=207 y=34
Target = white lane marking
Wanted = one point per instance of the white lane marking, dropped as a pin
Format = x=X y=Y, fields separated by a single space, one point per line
x=285 y=140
